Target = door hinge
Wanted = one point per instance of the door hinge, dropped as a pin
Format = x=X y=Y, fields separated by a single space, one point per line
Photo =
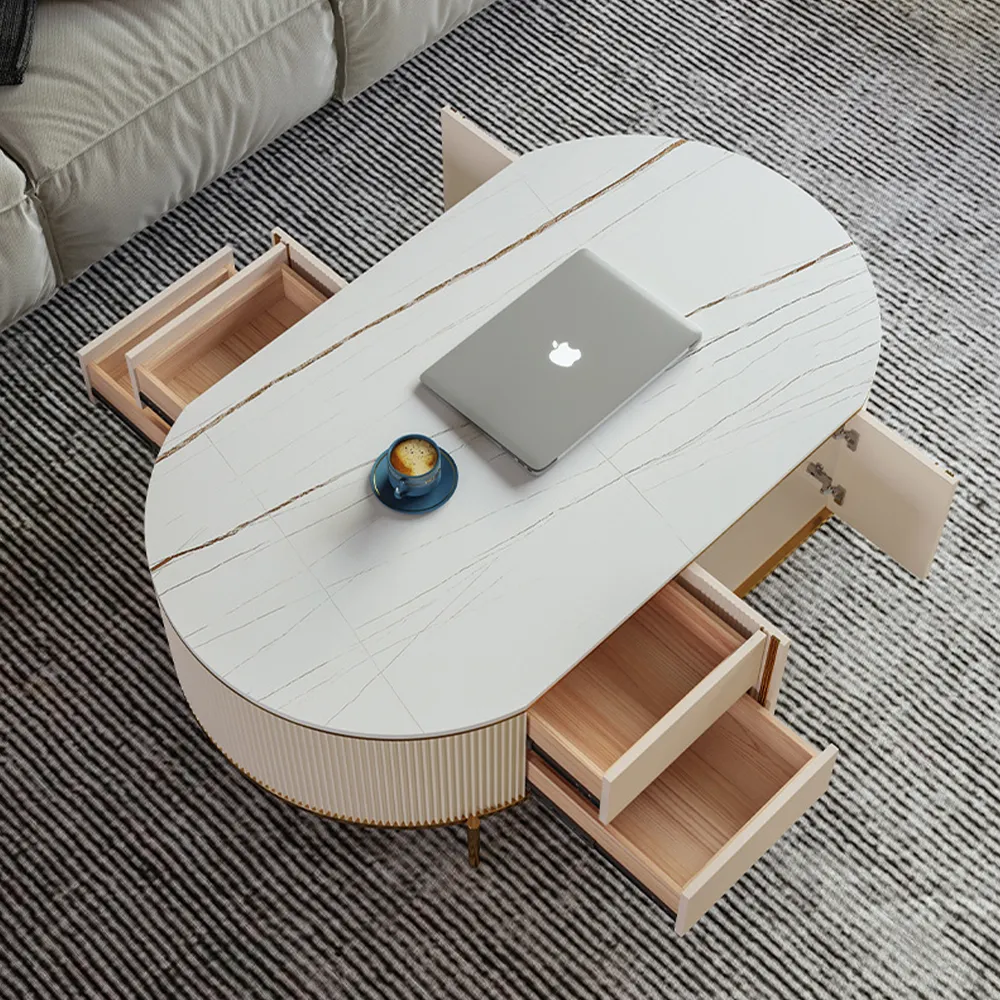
x=827 y=485
x=849 y=437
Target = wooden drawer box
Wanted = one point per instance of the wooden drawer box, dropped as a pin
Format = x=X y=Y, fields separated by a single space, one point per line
x=635 y=704
x=170 y=350
x=707 y=818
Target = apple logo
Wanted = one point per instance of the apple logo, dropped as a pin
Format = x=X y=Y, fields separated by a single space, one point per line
x=564 y=355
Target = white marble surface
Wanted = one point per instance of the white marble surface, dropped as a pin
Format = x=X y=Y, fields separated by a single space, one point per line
x=292 y=583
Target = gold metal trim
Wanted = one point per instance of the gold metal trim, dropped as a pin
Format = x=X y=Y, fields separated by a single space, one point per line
x=769 y=660
x=427 y=293
x=472 y=835
x=770 y=564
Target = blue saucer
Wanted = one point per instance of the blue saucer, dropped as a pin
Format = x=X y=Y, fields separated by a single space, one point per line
x=441 y=493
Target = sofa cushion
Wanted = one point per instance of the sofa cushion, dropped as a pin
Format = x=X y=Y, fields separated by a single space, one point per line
x=25 y=265
x=126 y=109
x=375 y=36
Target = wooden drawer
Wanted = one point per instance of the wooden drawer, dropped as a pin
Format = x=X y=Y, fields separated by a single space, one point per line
x=170 y=350
x=639 y=700
x=470 y=156
x=105 y=370
x=705 y=820
x=188 y=355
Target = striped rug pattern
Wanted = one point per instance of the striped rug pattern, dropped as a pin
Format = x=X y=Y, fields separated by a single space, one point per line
x=134 y=861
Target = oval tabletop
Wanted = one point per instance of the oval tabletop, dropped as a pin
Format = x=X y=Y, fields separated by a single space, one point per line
x=294 y=585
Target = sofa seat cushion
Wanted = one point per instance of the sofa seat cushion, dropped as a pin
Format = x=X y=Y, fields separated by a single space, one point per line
x=376 y=36
x=26 y=275
x=128 y=108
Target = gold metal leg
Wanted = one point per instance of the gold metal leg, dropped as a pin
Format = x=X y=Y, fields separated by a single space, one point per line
x=472 y=833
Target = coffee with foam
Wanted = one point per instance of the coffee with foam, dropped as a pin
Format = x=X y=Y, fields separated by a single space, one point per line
x=414 y=457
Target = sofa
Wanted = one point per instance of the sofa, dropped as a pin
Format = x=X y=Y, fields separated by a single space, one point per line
x=126 y=109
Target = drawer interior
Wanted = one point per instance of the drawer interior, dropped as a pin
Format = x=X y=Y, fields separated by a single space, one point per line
x=111 y=368
x=107 y=370
x=616 y=694
x=718 y=807
x=156 y=360
x=712 y=790
x=196 y=361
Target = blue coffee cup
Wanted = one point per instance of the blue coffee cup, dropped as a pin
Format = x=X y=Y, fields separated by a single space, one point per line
x=405 y=484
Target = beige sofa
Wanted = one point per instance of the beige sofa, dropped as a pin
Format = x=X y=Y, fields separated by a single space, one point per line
x=129 y=108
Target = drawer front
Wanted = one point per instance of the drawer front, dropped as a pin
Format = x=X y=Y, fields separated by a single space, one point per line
x=754 y=839
x=631 y=707
x=470 y=156
x=308 y=265
x=706 y=819
x=646 y=759
x=193 y=333
x=103 y=361
x=745 y=620
x=149 y=423
x=201 y=346
x=582 y=813
x=192 y=328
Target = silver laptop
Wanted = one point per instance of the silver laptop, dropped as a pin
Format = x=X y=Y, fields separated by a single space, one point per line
x=561 y=358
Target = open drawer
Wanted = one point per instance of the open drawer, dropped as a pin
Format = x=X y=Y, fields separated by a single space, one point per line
x=641 y=698
x=704 y=821
x=192 y=352
x=172 y=348
x=105 y=371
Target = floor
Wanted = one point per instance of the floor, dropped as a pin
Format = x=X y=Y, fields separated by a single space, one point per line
x=136 y=862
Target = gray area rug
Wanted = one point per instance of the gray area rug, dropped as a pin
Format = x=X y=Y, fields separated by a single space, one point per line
x=134 y=861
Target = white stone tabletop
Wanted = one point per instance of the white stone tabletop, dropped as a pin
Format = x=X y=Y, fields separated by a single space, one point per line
x=295 y=586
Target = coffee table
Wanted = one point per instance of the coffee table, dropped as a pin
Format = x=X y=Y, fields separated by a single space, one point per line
x=387 y=670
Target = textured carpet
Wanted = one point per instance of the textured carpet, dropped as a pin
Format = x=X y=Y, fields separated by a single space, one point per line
x=134 y=861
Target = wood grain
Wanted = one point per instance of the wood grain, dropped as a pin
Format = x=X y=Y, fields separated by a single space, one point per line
x=562 y=795
x=602 y=707
x=190 y=325
x=107 y=351
x=304 y=262
x=103 y=363
x=700 y=802
x=692 y=822
x=161 y=395
x=204 y=352
x=754 y=839
x=746 y=620
x=300 y=293
x=658 y=748
x=116 y=396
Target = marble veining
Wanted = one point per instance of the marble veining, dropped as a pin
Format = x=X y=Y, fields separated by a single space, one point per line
x=296 y=587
